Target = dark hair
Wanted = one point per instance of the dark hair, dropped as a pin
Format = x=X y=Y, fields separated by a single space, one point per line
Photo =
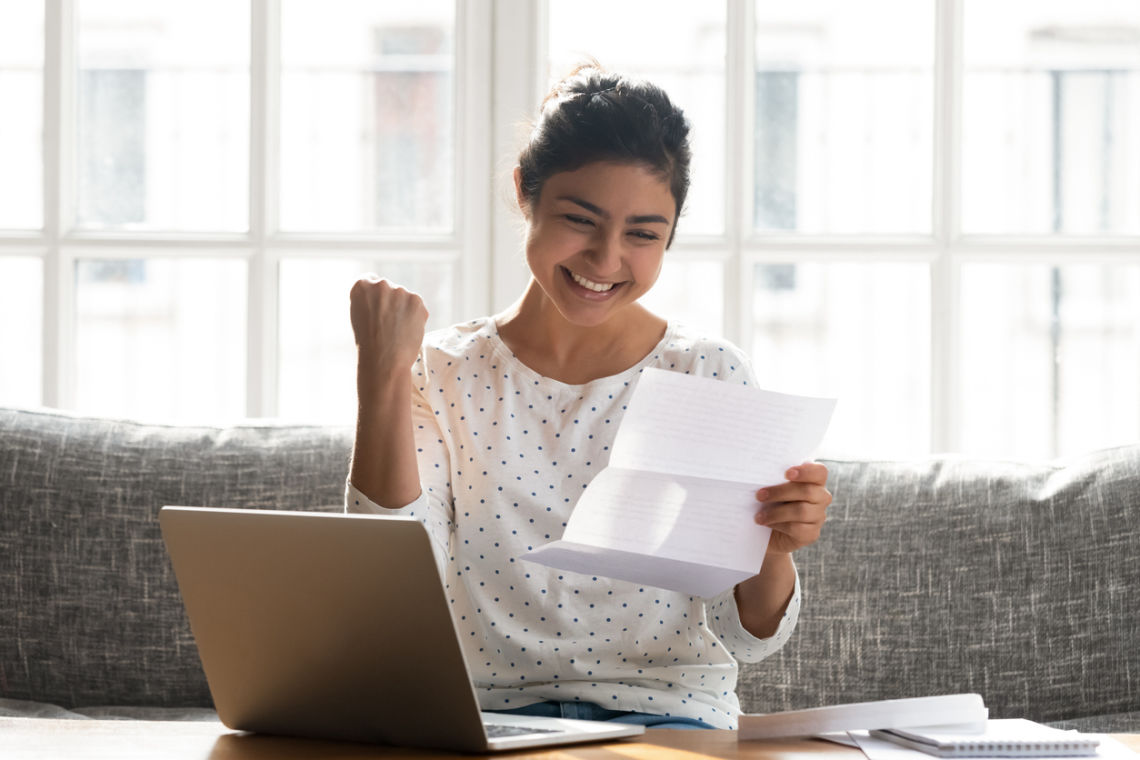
x=594 y=115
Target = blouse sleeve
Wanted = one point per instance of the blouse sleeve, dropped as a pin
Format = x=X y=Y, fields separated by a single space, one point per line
x=724 y=621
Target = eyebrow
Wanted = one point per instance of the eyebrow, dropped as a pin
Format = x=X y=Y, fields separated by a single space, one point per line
x=592 y=208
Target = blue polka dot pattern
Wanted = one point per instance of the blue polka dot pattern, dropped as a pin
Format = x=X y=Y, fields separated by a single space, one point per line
x=504 y=454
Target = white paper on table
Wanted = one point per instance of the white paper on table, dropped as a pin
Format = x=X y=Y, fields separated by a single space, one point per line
x=674 y=508
x=881 y=749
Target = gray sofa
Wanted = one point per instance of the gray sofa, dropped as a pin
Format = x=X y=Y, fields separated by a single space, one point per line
x=1019 y=581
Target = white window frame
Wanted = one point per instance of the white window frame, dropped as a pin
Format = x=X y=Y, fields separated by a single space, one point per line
x=60 y=245
x=945 y=250
x=501 y=56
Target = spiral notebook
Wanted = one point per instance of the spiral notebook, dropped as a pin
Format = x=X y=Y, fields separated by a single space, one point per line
x=1012 y=737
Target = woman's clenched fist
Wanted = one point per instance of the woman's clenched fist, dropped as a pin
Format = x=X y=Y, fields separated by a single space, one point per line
x=389 y=324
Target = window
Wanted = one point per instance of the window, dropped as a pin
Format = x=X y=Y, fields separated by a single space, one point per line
x=367 y=116
x=21 y=330
x=1054 y=356
x=842 y=125
x=367 y=154
x=154 y=337
x=1046 y=301
x=21 y=91
x=161 y=123
x=903 y=206
x=217 y=175
x=21 y=203
x=843 y=117
x=936 y=220
x=1049 y=125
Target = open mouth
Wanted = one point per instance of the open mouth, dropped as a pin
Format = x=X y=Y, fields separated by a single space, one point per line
x=591 y=288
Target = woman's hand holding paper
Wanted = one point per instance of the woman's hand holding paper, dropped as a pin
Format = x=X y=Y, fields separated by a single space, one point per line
x=795 y=510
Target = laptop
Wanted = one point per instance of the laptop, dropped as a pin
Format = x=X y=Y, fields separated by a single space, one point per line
x=336 y=626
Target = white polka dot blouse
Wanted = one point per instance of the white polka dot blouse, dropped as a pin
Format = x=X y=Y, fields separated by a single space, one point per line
x=504 y=454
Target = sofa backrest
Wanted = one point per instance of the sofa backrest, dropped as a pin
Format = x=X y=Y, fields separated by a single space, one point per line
x=1018 y=581
x=89 y=608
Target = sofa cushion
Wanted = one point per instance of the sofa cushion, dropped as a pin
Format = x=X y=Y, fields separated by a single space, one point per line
x=17 y=708
x=1018 y=581
x=90 y=612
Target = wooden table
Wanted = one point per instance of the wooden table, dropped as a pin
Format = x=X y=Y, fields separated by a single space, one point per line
x=44 y=739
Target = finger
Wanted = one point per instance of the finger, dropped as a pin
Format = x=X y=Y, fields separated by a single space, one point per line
x=795 y=512
x=808 y=472
x=796 y=528
x=793 y=492
x=359 y=286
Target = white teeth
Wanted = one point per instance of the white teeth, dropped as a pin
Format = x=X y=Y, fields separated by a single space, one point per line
x=597 y=287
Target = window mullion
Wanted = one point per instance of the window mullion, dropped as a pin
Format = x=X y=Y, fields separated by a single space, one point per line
x=58 y=204
x=944 y=303
x=474 y=171
x=740 y=30
x=519 y=71
x=265 y=49
x=262 y=320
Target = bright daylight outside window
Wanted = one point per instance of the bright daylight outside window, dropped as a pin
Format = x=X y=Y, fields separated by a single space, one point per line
x=843 y=146
x=367 y=146
x=21 y=190
x=192 y=289
x=936 y=220
x=1051 y=146
x=161 y=135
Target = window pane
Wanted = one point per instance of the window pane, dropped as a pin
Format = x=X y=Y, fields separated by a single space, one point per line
x=317 y=350
x=676 y=44
x=1051 y=119
x=367 y=136
x=21 y=331
x=690 y=292
x=1051 y=358
x=859 y=332
x=21 y=87
x=163 y=115
x=844 y=116
x=161 y=338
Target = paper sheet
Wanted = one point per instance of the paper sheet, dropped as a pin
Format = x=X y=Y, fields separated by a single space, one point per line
x=674 y=507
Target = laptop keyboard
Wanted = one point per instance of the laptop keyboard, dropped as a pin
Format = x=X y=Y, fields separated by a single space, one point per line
x=498 y=731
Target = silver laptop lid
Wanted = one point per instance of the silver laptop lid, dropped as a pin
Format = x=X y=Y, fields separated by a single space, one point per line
x=301 y=632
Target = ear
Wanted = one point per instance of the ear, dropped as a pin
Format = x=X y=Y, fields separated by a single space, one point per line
x=524 y=205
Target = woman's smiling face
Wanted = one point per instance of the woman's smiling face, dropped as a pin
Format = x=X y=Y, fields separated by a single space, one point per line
x=596 y=238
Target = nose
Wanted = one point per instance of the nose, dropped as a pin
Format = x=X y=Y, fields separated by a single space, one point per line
x=606 y=253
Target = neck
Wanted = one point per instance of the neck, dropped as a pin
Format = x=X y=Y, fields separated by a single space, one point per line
x=545 y=341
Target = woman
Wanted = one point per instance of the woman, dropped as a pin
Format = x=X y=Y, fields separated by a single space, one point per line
x=512 y=415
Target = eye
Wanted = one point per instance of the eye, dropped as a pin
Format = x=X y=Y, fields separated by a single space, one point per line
x=575 y=219
x=645 y=235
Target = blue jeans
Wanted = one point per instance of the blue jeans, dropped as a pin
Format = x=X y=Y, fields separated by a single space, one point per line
x=590 y=711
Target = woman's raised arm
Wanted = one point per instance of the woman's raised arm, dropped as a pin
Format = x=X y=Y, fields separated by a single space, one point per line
x=388 y=322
